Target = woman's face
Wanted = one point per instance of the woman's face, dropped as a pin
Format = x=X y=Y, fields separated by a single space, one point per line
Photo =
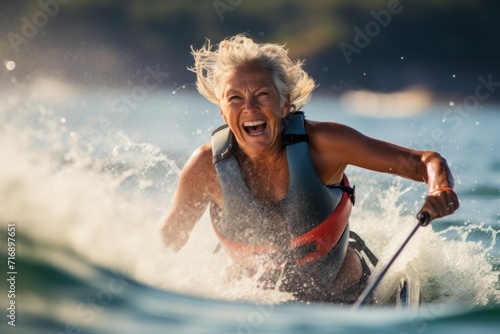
x=250 y=105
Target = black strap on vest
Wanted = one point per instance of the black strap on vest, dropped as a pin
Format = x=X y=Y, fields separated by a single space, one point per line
x=294 y=138
x=360 y=246
x=350 y=191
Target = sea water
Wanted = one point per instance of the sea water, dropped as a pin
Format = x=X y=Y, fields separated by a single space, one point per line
x=88 y=175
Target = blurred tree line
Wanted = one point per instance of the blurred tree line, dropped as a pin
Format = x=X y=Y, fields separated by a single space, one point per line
x=382 y=45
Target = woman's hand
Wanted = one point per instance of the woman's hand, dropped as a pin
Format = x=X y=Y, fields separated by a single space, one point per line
x=440 y=203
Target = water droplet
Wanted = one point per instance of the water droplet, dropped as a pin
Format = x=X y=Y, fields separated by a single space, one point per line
x=452 y=103
x=63 y=120
x=402 y=58
x=364 y=74
x=10 y=65
x=453 y=76
x=477 y=123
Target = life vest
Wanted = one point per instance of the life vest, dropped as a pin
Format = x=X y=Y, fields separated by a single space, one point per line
x=310 y=225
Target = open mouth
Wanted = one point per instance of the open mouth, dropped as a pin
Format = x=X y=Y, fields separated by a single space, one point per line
x=254 y=128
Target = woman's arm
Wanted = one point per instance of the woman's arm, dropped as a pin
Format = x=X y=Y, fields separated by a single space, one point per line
x=344 y=146
x=191 y=198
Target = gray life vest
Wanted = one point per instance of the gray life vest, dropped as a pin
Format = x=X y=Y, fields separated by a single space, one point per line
x=309 y=228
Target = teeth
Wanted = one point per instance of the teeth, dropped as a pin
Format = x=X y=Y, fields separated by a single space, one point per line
x=253 y=123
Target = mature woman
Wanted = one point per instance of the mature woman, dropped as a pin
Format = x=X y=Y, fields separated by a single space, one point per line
x=275 y=184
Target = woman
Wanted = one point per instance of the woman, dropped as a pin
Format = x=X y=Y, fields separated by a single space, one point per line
x=275 y=183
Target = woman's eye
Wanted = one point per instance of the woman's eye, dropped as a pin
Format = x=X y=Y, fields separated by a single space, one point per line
x=234 y=97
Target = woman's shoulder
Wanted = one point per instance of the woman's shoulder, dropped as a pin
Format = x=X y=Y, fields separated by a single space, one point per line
x=199 y=163
x=202 y=156
x=330 y=130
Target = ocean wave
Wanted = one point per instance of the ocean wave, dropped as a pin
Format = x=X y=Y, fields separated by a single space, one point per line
x=59 y=290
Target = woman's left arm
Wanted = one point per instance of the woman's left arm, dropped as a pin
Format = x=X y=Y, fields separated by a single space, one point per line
x=344 y=146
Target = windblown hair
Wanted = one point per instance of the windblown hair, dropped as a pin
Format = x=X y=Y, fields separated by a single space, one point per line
x=289 y=77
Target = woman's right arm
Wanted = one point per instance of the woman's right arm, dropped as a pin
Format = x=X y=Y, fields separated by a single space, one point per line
x=191 y=198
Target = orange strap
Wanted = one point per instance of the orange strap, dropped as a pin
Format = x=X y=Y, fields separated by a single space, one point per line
x=327 y=234
x=246 y=254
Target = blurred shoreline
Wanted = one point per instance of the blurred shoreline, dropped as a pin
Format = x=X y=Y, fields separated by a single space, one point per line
x=380 y=46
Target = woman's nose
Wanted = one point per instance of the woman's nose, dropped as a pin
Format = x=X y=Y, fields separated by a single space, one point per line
x=250 y=105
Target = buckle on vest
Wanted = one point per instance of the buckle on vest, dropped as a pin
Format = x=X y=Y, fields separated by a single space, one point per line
x=321 y=239
x=350 y=191
x=304 y=250
x=353 y=195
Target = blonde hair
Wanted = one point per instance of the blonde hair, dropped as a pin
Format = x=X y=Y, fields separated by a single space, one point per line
x=289 y=77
